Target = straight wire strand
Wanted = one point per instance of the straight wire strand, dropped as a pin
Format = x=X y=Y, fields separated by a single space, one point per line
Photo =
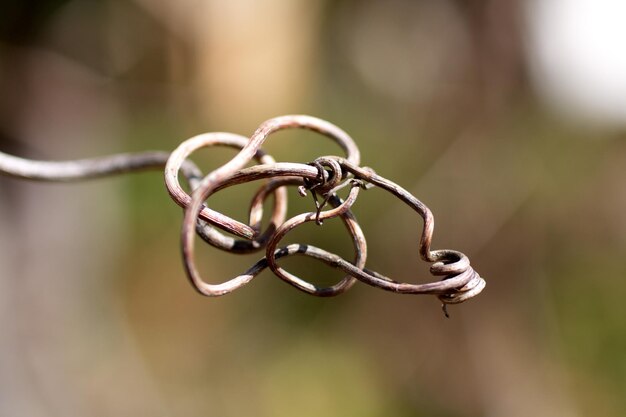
x=457 y=280
x=82 y=169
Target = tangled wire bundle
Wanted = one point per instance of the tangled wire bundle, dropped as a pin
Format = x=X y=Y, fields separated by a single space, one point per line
x=322 y=178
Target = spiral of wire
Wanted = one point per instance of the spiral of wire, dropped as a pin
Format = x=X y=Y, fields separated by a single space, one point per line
x=322 y=178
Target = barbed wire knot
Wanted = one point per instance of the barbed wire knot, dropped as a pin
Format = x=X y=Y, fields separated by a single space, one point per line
x=323 y=178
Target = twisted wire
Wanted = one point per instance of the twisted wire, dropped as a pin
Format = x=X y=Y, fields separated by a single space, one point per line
x=323 y=178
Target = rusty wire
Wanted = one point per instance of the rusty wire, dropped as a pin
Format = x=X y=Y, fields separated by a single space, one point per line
x=323 y=178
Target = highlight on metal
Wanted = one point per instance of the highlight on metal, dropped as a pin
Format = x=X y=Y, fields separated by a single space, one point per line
x=322 y=178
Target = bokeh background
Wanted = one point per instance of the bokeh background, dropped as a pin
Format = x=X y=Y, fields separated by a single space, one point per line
x=507 y=118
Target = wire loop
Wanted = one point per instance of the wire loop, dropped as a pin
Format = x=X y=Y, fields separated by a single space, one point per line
x=324 y=177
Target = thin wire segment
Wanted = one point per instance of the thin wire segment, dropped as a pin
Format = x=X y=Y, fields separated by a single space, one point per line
x=323 y=178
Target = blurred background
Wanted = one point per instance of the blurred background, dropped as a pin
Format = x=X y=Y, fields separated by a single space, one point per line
x=507 y=119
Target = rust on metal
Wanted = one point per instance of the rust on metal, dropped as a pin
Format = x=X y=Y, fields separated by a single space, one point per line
x=323 y=178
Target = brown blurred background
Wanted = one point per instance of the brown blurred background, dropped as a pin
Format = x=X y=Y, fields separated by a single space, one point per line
x=506 y=118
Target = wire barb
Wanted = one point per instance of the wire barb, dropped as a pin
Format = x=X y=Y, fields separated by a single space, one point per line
x=324 y=177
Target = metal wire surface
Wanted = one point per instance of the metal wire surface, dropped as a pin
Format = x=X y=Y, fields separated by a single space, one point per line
x=323 y=178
